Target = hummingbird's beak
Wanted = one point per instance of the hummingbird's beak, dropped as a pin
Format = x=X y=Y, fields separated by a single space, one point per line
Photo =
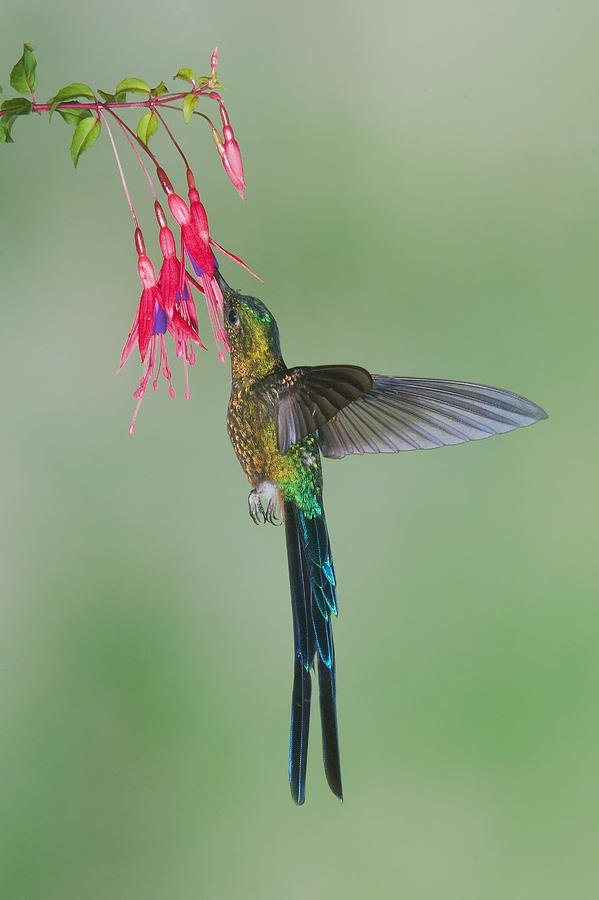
x=222 y=284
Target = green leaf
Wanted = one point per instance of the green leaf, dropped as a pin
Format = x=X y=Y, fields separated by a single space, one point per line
x=203 y=80
x=74 y=116
x=23 y=77
x=159 y=90
x=87 y=131
x=189 y=104
x=186 y=75
x=106 y=97
x=15 y=107
x=135 y=85
x=70 y=92
x=112 y=98
x=146 y=126
x=18 y=106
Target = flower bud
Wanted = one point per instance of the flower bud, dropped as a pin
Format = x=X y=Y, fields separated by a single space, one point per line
x=139 y=243
x=164 y=181
x=160 y=216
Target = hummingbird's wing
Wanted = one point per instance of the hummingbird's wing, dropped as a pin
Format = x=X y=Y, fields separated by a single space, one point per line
x=355 y=412
x=310 y=396
x=419 y=413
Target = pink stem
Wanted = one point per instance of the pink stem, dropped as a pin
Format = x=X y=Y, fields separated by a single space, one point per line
x=118 y=161
x=138 y=157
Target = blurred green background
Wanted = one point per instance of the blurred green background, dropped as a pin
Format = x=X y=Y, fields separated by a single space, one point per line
x=423 y=198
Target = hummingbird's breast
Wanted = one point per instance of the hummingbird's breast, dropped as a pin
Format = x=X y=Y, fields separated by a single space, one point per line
x=252 y=433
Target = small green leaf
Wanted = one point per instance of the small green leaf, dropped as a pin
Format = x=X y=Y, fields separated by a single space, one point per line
x=87 y=131
x=189 y=104
x=112 y=98
x=70 y=92
x=203 y=80
x=15 y=107
x=18 y=106
x=159 y=90
x=186 y=75
x=135 y=85
x=74 y=116
x=23 y=76
x=146 y=126
x=106 y=97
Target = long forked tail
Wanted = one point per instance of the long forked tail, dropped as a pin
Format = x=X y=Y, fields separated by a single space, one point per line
x=313 y=600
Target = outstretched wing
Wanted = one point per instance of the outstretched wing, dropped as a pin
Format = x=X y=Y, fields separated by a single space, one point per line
x=355 y=412
x=419 y=413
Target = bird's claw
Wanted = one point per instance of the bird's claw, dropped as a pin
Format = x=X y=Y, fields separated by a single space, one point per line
x=267 y=492
x=256 y=510
x=272 y=513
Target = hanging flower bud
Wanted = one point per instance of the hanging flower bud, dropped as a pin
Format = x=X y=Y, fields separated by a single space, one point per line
x=229 y=151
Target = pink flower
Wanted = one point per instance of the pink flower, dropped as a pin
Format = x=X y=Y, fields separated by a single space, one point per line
x=194 y=226
x=149 y=328
x=195 y=239
x=170 y=271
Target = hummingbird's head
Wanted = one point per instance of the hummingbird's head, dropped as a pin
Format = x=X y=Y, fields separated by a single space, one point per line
x=252 y=334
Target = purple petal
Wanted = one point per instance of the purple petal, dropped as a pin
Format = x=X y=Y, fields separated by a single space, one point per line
x=160 y=320
x=186 y=296
x=197 y=269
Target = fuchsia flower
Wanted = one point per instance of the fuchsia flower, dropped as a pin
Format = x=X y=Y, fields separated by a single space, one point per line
x=149 y=327
x=195 y=242
x=175 y=289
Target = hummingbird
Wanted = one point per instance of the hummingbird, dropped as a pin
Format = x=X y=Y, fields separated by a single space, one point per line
x=280 y=422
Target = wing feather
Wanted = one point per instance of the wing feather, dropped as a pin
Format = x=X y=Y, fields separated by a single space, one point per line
x=418 y=413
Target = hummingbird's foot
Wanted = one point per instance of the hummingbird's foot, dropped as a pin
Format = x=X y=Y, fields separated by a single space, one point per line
x=256 y=511
x=264 y=504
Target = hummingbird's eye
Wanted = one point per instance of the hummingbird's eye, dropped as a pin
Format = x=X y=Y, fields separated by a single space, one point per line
x=233 y=317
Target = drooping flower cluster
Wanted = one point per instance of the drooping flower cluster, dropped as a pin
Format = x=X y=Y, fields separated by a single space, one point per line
x=166 y=306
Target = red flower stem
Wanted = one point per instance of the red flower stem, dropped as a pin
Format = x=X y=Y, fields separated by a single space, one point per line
x=125 y=127
x=173 y=139
x=102 y=115
x=195 y=112
x=125 y=130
